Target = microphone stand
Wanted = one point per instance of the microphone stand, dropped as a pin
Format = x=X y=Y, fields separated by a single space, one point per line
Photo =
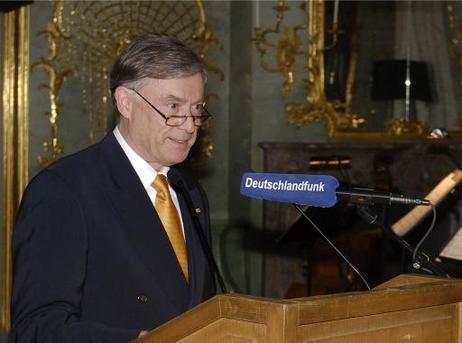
x=421 y=261
x=200 y=233
x=299 y=209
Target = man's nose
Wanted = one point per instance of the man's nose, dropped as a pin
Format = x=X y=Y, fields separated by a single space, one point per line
x=188 y=124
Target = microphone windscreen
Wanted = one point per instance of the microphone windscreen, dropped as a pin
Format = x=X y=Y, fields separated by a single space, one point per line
x=302 y=189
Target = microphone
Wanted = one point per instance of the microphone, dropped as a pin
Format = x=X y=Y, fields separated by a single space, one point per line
x=315 y=190
x=178 y=185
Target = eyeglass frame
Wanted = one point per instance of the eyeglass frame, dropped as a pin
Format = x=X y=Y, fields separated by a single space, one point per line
x=207 y=115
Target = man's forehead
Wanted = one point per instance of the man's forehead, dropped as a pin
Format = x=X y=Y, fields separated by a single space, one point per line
x=177 y=88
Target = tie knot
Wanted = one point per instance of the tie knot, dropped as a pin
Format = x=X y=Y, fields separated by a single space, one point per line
x=160 y=184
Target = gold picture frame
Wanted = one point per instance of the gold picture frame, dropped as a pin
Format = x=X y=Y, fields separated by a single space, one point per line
x=15 y=129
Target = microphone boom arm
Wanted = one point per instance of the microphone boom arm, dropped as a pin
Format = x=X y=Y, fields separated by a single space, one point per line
x=363 y=196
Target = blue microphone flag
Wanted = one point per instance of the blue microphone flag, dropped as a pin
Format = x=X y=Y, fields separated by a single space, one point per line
x=302 y=189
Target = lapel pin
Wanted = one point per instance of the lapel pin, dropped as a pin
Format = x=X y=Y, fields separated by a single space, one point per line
x=198 y=210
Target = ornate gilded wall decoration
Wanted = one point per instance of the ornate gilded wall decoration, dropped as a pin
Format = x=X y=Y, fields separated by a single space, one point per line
x=59 y=65
x=84 y=38
x=305 y=42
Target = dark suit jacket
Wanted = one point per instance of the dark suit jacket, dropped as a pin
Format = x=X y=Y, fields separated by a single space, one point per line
x=91 y=260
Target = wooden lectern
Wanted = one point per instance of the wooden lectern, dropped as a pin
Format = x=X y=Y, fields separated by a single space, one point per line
x=408 y=308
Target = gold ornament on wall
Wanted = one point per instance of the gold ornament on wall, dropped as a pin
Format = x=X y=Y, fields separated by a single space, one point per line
x=402 y=127
x=305 y=42
x=86 y=36
x=58 y=68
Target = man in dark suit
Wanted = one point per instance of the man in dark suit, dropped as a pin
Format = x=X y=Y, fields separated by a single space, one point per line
x=104 y=247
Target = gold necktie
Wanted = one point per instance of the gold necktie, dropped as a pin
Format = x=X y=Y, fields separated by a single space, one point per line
x=168 y=215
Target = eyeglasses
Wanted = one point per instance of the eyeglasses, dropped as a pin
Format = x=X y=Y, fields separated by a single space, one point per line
x=200 y=114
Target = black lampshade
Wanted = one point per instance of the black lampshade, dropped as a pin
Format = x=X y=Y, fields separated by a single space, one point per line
x=389 y=77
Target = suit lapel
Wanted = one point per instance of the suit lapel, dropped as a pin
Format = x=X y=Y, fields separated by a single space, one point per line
x=143 y=227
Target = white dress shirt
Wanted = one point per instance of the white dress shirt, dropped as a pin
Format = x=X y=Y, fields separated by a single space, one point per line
x=146 y=173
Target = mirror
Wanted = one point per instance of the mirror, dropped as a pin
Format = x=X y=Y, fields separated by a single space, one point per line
x=331 y=52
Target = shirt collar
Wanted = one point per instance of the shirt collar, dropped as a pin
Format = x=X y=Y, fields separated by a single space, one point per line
x=143 y=169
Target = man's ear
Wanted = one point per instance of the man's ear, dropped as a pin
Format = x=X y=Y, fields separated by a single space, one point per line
x=124 y=102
